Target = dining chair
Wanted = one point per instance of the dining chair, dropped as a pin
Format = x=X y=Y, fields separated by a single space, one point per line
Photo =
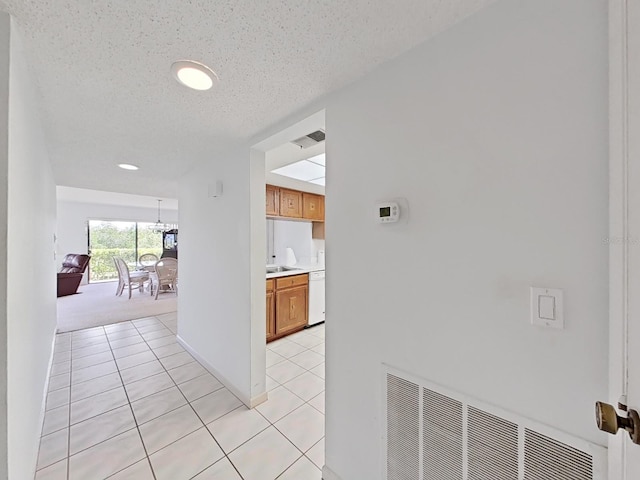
x=127 y=278
x=165 y=276
x=147 y=261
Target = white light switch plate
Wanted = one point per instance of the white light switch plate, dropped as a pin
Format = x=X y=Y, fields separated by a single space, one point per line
x=547 y=307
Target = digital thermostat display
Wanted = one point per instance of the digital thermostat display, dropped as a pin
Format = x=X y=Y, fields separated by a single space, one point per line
x=388 y=212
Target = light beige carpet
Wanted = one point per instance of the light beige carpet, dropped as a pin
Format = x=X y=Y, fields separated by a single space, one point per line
x=96 y=304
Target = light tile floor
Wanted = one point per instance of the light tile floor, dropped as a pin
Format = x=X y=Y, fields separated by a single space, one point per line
x=126 y=401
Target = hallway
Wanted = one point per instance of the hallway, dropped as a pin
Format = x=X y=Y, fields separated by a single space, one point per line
x=126 y=401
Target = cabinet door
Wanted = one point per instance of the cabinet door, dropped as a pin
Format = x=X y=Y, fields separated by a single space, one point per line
x=313 y=207
x=291 y=309
x=273 y=203
x=271 y=316
x=290 y=203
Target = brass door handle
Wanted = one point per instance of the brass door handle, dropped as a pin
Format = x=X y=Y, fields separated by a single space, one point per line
x=609 y=421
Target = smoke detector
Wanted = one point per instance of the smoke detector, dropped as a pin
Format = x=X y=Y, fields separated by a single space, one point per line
x=310 y=139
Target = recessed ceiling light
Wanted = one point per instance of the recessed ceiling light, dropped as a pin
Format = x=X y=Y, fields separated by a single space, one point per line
x=193 y=74
x=127 y=166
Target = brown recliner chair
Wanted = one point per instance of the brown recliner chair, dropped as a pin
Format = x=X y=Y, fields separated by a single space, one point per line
x=70 y=276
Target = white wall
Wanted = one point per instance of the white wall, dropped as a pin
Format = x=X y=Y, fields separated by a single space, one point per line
x=72 y=234
x=4 y=184
x=219 y=260
x=496 y=133
x=31 y=268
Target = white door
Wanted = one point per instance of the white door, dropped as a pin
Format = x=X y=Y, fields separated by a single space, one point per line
x=624 y=240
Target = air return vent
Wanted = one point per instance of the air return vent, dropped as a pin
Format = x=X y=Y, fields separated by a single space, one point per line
x=431 y=433
x=493 y=446
x=548 y=459
x=442 y=437
x=402 y=418
x=310 y=139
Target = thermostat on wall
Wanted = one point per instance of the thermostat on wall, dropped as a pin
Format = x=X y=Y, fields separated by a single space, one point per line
x=387 y=212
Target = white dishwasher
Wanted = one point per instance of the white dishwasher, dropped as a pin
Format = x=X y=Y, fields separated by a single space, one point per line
x=316 y=297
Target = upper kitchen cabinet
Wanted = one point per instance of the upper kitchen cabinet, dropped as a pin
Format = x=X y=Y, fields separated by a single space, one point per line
x=290 y=203
x=313 y=207
x=293 y=204
x=273 y=201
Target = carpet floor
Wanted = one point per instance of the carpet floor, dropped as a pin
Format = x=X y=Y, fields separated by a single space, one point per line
x=96 y=304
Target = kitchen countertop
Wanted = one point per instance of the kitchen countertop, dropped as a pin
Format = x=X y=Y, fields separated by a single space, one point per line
x=301 y=268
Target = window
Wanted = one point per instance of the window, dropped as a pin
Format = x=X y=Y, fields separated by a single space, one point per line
x=128 y=240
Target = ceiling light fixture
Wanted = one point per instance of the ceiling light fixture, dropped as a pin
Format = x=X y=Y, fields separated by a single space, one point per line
x=127 y=166
x=303 y=170
x=193 y=74
x=159 y=227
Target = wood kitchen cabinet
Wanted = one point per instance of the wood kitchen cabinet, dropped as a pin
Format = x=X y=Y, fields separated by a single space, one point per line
x=271 y=310
x=312 y=207
x=294 y=204
x=290 y=203
x=290 y=299
x=273 y=201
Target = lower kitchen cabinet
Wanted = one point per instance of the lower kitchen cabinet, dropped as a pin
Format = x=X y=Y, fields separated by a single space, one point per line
x=271 y=311
x=291 y=309
x=288 y=306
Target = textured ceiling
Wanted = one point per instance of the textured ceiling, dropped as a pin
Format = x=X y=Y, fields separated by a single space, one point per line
x=102 y=68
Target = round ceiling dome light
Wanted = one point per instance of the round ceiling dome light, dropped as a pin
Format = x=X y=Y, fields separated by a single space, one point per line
x=193 y=74
x=127 y=166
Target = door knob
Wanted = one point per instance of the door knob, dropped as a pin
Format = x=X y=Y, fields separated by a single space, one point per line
x=609 y=421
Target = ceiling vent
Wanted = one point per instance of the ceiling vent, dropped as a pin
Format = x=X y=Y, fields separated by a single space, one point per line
x=310 y=139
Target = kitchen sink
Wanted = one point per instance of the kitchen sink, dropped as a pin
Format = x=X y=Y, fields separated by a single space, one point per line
x=280 y=269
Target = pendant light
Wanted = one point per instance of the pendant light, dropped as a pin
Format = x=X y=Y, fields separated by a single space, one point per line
x=159 y=227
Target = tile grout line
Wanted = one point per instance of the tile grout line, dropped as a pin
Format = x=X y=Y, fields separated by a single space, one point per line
x=69 y=405
x=307 y=370
x=98 y=414
x=200 y=418
x=135 y=420
x=191 y=406
x=69 y=455
x=303 y=454
x=225 y=455
x=45 y=413
x=305 y=402
x=69 y=421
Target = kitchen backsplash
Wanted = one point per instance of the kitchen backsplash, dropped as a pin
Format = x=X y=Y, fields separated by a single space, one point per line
x=283 y=234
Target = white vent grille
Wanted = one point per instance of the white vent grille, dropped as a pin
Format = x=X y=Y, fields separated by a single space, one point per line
x=310 y=139
x=403 y=413
x=548 y=459
x=442 y=437
x=432 y=433
x=493 y=447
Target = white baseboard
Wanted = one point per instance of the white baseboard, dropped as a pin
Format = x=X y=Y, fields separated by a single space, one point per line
x=258 y=399
x=249 y=402
x=327 y=474
x=43 y=405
